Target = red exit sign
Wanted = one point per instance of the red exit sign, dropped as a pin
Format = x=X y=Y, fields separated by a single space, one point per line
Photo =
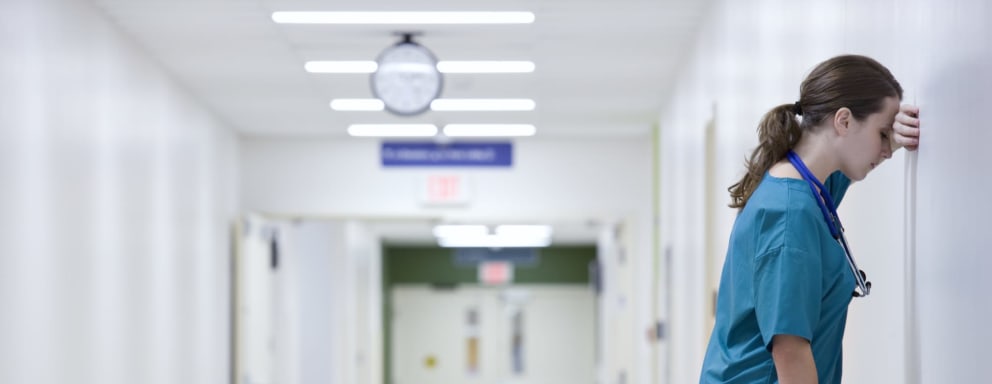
x=495 y=272
x=445 y=190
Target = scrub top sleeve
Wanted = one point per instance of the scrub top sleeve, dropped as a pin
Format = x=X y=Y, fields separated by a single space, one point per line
x=787 y=290
x=837 y=184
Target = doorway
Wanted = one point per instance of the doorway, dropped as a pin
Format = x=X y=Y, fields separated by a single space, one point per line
x=442 y=325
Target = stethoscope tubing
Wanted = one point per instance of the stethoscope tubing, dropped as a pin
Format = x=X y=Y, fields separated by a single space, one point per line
x=829 y=210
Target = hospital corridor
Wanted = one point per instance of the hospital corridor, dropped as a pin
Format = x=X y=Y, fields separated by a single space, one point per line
x=493 y=192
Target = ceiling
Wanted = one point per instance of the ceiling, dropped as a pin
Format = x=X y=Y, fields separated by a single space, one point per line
x=602 y=68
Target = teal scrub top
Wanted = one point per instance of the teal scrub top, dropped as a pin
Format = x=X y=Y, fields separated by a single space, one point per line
x=784 y=275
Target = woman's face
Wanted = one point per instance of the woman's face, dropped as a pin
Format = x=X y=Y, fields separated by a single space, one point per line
x=867 y=142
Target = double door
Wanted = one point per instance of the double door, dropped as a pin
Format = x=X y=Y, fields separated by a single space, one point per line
x=476 y=334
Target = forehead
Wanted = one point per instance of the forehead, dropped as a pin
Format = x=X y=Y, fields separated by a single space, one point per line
x=888 y=113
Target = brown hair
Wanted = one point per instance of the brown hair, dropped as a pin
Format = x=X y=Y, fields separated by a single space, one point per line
x=857 y=82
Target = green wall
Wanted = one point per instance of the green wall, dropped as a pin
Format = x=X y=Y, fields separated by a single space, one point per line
x=432 y=265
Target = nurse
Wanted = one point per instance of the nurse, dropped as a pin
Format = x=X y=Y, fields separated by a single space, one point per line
x=787 y=281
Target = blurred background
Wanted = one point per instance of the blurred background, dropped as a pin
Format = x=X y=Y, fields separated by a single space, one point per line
x=204 y=191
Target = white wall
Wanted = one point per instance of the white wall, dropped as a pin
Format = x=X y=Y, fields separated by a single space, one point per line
x=114 y=206
x=952 y=204
x=751 y=57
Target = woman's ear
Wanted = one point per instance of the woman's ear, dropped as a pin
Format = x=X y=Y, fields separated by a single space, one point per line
x=842 y=121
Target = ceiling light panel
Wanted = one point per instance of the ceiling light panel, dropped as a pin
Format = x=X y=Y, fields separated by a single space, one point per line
x=392 y=130
x=483 y=105
x=537 y=231
x=493 y=241
x=489 y=130
x=443 y=66
x=403 y=17
x=485 y=66
x=442 y=105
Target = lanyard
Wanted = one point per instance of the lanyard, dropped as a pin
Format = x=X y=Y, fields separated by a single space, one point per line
x=829 y=210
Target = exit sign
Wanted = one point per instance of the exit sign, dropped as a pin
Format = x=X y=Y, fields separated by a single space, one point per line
x=445 y=190
x=495 y=272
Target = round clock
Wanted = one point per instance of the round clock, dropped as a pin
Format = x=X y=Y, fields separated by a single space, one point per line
x=407 y=79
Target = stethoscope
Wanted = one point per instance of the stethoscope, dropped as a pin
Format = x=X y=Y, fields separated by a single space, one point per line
x=833 y=221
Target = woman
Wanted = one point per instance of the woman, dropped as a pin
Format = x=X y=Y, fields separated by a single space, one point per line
x=787 y=280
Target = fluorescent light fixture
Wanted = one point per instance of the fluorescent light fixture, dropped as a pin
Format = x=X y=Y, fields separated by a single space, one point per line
x=403 y=17
x=443 y=66
x=485 y=66
x=505 y=236
x=489 y=130
x=357 y=105
x=341 y=66
x=537 y=231
x=392 y=130
x=493 y=241
x=483 y=105
x=444 y=231
x=445 y=105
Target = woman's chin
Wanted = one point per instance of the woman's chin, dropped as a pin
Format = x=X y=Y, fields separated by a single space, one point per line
x=857 y=176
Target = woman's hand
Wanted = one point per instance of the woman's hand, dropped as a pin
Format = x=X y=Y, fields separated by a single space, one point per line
x=906 y=129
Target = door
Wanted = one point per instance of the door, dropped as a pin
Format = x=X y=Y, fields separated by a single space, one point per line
x=474 y=334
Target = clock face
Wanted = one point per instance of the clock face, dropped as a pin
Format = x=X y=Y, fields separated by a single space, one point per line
x=407 y=79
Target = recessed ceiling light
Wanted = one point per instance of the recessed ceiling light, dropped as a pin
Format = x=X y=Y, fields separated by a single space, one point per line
x=442 y=105
x=392 y=130
x=539 y=231
x=505 y=236
x=485 y=66
x=357 y=105
x=493 y=241
x=341 y=66
x=403 y=17
x=489 y=130
x=483 y=105
x=443 y=66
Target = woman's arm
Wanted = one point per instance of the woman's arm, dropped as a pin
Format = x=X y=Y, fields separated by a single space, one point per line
x=793 y=360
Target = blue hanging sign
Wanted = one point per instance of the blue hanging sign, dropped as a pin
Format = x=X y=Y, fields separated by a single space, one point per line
x=520 y=257
x=419 y=154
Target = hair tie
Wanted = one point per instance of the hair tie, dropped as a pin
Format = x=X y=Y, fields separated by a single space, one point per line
x=797 y=109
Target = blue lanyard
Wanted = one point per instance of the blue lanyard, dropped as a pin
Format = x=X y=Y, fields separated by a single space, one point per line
x=829 y=210
x=826 y=203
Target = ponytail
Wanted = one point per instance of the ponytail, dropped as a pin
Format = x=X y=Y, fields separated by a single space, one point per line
x=778 y=132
